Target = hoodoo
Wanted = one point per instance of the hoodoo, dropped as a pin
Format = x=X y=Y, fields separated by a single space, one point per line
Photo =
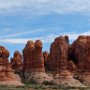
x=34 y=62
x=80 y=53
x=16 y=62
x=57 y=61
x=7 y=76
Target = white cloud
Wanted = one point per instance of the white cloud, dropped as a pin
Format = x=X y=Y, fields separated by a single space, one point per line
x=22 y=33
x=74 y=36
x=44 y=6
x=47 y=39
x=44 y=39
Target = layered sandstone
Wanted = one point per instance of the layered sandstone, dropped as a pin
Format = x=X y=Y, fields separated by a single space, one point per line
x=80 y=53
x=7 y=77
x=33 y=57
x=45 y=55
x=57 y=59
x=34 y=63
x=16 y=61
x=72 y=67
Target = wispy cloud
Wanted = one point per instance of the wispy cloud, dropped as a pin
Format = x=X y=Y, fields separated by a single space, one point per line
x=47 y=39
x=22 y=33
x=39 y=7
x=44 y=39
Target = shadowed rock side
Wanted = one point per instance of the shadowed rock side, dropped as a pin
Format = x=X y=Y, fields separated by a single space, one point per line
x=34 y=62
x=72 y=67
x=80 y=53
x=16 y=62
x=58 y=62
x=45 y=55
x=7 y=77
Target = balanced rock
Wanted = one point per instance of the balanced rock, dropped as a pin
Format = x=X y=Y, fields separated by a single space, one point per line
x=16 y=62
x=7 y=77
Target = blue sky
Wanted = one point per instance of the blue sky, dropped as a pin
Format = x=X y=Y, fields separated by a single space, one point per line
x=22 y=20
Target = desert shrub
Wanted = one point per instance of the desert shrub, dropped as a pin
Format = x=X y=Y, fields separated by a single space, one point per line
x=47 y=83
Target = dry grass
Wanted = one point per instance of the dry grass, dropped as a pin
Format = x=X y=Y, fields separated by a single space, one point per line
x=41 y=87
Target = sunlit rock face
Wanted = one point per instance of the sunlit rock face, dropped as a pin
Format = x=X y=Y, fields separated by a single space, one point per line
x=16 y=61
x=33 y=57
x=57 y=59
x=34 y=63
x=80 y=53
x=5 y=67
x=7 y=77
x=58 y=62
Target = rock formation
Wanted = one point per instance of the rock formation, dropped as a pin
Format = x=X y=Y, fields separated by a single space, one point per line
x=16 y=62
x=57 y=59
x=33 y=57
x=62 y=63
x=7 y=77
x=80 y=53
x=72 y=67
x=34 y=62
x=45 y=55
x=28 y=56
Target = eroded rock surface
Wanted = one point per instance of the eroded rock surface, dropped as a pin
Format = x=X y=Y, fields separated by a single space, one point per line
x=33 y=57
x=45 y=55
x=16 y=62
x=80 y=53
x=7 y=77
x=34 y=62
x=57 y=59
